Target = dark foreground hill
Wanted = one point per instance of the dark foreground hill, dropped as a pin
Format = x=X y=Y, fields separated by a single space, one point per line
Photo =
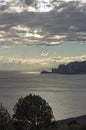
x=76 y=123
x=71 y=68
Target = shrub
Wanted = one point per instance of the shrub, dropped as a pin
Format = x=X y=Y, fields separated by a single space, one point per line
x=5 y=119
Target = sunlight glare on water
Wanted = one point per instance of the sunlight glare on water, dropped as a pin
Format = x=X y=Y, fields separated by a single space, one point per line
x=66 y=94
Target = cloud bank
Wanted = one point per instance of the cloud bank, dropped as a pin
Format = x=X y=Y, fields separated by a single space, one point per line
x=37 y=64
x=23 y=22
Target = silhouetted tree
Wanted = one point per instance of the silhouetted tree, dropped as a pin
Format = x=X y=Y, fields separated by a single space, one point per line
x=5 y=119
x=32 y=112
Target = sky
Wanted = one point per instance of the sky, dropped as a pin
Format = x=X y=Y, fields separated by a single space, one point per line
x=39 y=35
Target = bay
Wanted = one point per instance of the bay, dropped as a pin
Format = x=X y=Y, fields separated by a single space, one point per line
x=66 y=94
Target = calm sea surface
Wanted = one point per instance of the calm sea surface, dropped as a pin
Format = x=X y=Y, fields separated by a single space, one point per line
x=66 y=94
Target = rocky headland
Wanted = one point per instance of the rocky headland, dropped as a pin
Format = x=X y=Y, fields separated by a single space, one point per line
x=70 y=68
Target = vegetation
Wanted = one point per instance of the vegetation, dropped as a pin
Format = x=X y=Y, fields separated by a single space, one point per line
x=82 y=127
x=5 y=119
x=31 y=113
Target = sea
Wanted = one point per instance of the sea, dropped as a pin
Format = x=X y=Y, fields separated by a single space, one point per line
x=66 y=94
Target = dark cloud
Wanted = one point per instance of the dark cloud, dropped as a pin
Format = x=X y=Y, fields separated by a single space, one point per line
x=29 y=2
x=4 y=7
x=65 y=22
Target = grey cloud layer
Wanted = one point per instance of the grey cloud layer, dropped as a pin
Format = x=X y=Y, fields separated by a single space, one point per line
x=65 y=22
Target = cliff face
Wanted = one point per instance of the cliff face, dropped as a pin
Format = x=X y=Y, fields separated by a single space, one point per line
x=71 y=68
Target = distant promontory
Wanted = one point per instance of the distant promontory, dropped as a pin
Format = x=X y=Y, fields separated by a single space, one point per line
x=71 y=68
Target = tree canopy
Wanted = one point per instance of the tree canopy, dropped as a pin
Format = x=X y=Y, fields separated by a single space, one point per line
x=32 y=112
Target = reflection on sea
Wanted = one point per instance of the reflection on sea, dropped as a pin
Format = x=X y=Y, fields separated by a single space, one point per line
x=66 y=94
